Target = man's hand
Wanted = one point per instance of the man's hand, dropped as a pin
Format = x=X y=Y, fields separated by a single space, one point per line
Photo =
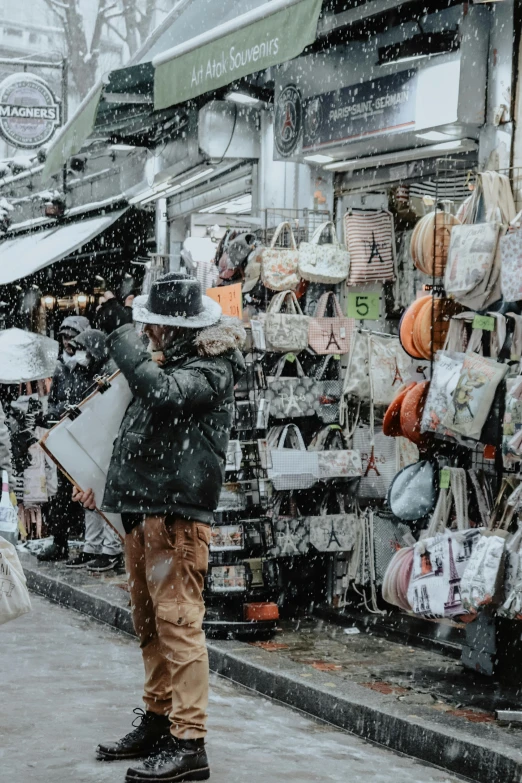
x=85 y=498
x=110 y=314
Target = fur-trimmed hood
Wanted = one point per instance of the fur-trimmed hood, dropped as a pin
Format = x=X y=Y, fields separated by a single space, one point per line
x=227 y=335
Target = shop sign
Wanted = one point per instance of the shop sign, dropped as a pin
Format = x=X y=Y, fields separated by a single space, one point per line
x=288 y=120
x=276 y=32
x=383 y=105
x=29 y=112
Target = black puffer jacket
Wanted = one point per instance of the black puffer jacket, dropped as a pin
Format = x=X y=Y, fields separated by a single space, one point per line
x=169 y=456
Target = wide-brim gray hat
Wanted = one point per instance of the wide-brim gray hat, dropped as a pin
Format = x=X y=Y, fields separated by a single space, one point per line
x=175 y=299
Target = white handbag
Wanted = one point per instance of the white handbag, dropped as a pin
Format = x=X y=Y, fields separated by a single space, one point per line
x=14 y=596
x=389 y=367
x=481 y=580
x=335 y=463
x=472 y=274
x=441 y=556
x=286 y=332
x=279 y=264
x=327 y=264
x=333 y=532
x=291 y=468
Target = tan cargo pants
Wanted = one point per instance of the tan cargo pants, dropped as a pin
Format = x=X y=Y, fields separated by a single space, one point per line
x=166 y=563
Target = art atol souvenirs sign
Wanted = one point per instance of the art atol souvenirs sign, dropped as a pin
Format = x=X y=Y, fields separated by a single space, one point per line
x=275 y=32
x=383 y=105
x=29 y=112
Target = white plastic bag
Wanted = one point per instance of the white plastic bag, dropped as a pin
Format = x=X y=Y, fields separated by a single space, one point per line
x=14 y=596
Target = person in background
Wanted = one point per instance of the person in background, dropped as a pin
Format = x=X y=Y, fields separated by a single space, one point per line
x=102 y=550
x=165 y=479
x=5 y=448
x=69 y=386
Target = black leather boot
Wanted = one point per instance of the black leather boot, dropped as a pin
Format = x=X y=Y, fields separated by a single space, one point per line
x=150 y=734
x=182 y=760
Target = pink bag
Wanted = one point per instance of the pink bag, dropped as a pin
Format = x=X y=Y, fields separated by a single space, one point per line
x=330 y=335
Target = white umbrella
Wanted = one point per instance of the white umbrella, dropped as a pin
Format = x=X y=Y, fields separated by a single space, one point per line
x=26 y=356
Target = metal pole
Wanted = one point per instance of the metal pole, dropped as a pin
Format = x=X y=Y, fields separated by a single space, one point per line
x=65 y=113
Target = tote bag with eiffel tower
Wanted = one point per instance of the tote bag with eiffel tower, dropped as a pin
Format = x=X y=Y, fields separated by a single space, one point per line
x=379 y=462
x=370 y=239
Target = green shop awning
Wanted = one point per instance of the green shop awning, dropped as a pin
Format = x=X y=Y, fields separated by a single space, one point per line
x=269 y=35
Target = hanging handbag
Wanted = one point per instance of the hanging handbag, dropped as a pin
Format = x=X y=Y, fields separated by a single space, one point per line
x=291 y=530
x=291 y=468
x=389 y=367
x=288 y=331
x=378 y=459
x=328 y=391
x=279 y=265
x=481 y=581
x=473 y=396
x=330 y=335
x=389 y=535
x=327 y=264
x=356 y=378
x=511 y=266
x=289 y=397
x=441 y=556
x=333 y=532
x=446 y=373
x=335 y=463
x=370 y=240
x=473 y=269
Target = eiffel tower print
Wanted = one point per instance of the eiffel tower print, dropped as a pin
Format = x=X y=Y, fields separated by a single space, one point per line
x=333 y=538
x=374 y=251
x=453 y=601
x=397 y=377
x=333 y=341
x=372 y=464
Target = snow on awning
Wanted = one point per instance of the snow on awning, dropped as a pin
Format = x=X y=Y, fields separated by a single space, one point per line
x=28 y=254
x=70 y=139
x=269 y=35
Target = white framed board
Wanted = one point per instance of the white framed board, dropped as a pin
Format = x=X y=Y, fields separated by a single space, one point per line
x=81 y=444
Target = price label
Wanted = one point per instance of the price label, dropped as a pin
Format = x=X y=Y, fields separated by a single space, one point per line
x=486 y=322
x=290 y=357
x=230 y=299
x=445 y=477
x=364 y=307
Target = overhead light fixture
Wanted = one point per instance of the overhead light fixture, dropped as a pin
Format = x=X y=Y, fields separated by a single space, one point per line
x=421 y=45
x=195 y=177
x=432 y=136
x=319 y=158
x=404 y=156
x=243 y=98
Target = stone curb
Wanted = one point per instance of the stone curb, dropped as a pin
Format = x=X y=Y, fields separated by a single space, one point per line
x=379 y=718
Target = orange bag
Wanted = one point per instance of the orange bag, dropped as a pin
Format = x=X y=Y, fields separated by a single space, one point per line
x=406 y=326
x=411 y=414
x=391 y=425
x=430 y=242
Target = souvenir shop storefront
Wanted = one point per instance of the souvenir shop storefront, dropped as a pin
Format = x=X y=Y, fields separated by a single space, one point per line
x=376 y=450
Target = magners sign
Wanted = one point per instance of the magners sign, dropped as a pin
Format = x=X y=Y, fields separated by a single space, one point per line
x=29 y=112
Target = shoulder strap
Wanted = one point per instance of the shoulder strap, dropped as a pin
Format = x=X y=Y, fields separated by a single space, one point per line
x=320 y=230
x=277 y=232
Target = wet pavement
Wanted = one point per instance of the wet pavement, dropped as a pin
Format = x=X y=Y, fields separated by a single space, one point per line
x=69 y=682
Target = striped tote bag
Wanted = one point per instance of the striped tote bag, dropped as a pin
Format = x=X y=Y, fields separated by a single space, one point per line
x=370 y=239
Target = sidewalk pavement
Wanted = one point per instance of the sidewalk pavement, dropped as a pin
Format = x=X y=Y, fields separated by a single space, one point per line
x=412 y=700
x=68 y=682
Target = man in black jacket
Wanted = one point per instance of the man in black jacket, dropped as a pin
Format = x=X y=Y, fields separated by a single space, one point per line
x=165 y=478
